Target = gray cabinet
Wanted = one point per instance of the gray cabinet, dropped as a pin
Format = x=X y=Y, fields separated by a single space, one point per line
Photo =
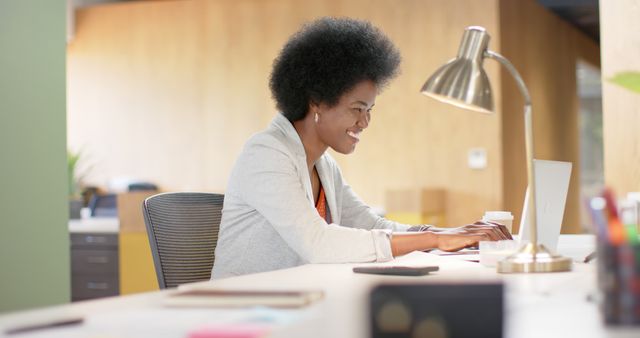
x=94 y=265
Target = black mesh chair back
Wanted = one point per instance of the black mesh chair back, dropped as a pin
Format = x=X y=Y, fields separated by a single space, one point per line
x=183 y=233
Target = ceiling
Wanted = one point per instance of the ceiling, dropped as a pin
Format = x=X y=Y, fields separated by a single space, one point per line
x=583 y=14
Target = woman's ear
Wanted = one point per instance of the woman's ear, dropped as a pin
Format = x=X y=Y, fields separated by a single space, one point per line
x=314 y=110
x=313 y=106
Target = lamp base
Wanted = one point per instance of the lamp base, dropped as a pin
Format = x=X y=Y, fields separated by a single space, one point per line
x=534 y=258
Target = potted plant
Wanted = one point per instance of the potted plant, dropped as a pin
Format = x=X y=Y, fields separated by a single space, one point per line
x=629 y=80
x=75 y=184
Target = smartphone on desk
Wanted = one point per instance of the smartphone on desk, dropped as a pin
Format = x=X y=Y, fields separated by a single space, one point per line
x=396 y=270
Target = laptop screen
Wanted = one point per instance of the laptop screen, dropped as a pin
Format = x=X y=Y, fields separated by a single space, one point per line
x=552 y=185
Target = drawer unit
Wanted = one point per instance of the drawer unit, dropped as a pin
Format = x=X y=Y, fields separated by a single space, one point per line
x=94 y=266
x=94 y=240
x=89 y=262
x=93 y=286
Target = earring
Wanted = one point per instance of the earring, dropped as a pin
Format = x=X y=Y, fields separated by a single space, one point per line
x=315 y=118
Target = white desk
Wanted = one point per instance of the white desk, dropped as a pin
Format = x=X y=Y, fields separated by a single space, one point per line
x=95 y=225
x=537 y=305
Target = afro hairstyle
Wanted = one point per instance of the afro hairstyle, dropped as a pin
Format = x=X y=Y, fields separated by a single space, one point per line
x=327 y=58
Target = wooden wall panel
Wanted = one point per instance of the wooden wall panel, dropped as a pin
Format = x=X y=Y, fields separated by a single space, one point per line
x=414 y=141
x=545 y=50
x=135 y=88
x=621 y=107
x=170 y=91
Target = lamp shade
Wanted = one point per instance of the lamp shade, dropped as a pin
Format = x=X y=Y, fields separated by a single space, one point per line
x=463 y=81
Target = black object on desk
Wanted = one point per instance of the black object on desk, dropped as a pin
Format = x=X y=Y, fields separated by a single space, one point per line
x=45 y=324
x=436 y=310
x=396 y=270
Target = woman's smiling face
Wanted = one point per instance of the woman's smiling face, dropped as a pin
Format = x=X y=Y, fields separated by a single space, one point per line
x=340 y=126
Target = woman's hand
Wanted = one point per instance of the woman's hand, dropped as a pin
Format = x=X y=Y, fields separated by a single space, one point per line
x=495 y=231
x=454 y=239
x=448 y=239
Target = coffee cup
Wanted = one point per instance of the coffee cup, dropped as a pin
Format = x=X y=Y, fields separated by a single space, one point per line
x=503 y=217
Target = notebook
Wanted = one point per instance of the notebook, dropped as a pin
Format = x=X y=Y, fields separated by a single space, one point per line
x=209 y=297
x=552 y=185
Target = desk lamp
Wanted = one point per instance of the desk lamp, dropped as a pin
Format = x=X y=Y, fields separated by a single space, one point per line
x=463 y=82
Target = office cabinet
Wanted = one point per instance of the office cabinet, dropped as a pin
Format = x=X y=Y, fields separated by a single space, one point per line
x=94 y=265
x=111 y=255
x=137 y=272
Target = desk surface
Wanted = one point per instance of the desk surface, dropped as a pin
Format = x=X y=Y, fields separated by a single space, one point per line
x=109 y=225
x=537 y=305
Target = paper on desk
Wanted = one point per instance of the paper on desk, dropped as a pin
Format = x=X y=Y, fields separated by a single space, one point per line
x=464 y=254
x=168 y=322
x=211 y=297
x=419 y=258
x=230 y=331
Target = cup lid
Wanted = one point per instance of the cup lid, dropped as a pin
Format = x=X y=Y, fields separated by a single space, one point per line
x=498 y=214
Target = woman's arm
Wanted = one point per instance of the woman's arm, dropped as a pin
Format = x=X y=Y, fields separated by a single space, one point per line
x=448 y=239
x=496 y=231
x=357 y=214
x=404 y=243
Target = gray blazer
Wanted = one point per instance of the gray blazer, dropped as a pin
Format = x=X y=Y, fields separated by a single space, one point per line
x=269 y=220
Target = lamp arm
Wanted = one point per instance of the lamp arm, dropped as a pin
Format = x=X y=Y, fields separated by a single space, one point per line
x=514 y=72
x=528 y=131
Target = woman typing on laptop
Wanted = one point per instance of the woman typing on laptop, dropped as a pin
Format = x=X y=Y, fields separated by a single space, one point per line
x=287 y=203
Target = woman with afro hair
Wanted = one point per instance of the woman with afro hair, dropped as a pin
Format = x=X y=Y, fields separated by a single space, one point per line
x=287 y=203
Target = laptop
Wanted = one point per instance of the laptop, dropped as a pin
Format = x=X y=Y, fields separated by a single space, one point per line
x=552 y=185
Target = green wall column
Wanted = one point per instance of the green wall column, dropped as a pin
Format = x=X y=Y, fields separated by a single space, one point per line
x=34 y=241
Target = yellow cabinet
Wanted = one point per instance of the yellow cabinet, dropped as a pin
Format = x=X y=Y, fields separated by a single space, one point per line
x=137 y=272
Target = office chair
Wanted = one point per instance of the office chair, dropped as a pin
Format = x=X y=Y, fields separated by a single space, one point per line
x=183 y=233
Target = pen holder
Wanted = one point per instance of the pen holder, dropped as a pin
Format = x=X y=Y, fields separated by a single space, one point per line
x=619 y=283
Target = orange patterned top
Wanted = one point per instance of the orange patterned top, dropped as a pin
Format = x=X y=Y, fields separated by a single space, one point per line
x=321 y=205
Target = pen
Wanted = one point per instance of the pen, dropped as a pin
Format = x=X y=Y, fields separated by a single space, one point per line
x=596 y=207
x=590 y=257
x=617 y=232
x=44 y=325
